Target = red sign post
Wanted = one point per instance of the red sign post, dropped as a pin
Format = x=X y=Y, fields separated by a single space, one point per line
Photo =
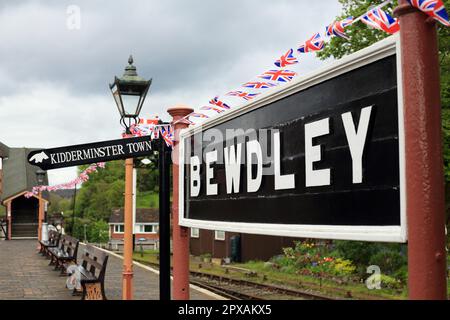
x=180 y=234
x=425 y=202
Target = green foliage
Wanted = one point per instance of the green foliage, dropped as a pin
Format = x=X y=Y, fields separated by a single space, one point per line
x=343 y=261
x=59 y=204
x=96 y=230
x=147 y=179
x=147 y=199
x=78 y=227
x=98 y=196
x=310 y=259
x=360 y=35
x=390 y=282
x=105 y=188
x=363 y=36
x=389 y=259
x=357 y=251
x=102 y=192
x=343 y=267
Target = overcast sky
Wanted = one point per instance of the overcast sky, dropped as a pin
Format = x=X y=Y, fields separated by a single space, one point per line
x=54 y=79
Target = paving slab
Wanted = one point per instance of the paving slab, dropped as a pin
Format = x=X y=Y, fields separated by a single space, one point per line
x=25 y=274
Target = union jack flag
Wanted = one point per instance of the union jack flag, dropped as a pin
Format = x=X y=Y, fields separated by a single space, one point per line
x=286 y=59
x=135 y=131
x=241 y=94
x=433 y=8
x=153 y=121
x=278 y=75
x=379 y=19
x=186 y=120
x=259 y=85
x=154 y=133
x=168 y=135
x=198 y=115
x=315 y=43
x=212 y=108
x=337 y=28
x=215 y=101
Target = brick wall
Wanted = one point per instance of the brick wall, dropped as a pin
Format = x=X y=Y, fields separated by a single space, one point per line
x=119 y=236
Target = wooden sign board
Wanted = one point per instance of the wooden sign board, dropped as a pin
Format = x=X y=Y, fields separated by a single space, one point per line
x=320 y=157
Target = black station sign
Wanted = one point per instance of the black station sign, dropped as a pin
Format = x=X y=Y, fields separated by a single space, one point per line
x=319 y=158
x=89 y=153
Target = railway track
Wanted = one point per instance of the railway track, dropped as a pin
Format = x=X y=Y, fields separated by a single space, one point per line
x=248 y=290
x=235 y=289
x=225 y=292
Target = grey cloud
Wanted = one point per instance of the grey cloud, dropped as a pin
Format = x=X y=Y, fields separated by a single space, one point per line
x=54 y=81
x=178 y=43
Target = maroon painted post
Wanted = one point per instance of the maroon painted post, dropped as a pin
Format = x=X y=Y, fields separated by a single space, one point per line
x=9 y=218
x=425 y=203
x=180 y=234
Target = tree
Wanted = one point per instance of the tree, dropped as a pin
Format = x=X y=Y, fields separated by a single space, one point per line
x=102 y=192
x=105 y=188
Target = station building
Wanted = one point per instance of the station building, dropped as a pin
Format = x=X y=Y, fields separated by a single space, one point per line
x=237 y=247
x=146 y=228
x=17 y=177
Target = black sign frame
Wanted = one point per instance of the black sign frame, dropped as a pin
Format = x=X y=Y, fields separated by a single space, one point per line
x=386 y=233
x=55 y=158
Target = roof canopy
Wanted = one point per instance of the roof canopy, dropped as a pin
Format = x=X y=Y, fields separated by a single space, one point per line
x=18 y=174
x=143 y=215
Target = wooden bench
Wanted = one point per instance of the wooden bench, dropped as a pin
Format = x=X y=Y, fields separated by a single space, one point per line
x=92 y=272
x=65 y=253
x=52 y=242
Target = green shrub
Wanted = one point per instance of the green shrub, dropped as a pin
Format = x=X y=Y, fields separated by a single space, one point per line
x=388 y=282
x=357 y=251
x=309 y=258
x=389 y=260
x=343 y=267
x=98 y=232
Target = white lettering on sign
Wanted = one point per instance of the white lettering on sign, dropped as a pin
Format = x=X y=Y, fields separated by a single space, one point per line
x=139 y=146
x=195 y=176
x=313 y=153
x=100 y=152
x=211 y=188
x=233 y=167
x=286 y=181
x=233 y=159
x=254 y=148
x=357 y=140
x=79 y=155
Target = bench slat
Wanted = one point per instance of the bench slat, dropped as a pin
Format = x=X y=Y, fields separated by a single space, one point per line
x=92 y=262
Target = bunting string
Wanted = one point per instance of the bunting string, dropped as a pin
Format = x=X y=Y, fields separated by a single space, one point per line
x=83 y=177
x=375 y=18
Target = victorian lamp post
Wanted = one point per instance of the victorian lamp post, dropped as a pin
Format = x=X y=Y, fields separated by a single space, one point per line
x=129 y=92
x=40 y=177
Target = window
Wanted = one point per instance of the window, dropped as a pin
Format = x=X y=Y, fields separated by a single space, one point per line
x=146 y=228
x=195 y=233
x=219 y=235
x=119 y=228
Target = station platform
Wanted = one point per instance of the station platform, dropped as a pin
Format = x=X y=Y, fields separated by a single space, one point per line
x=25 y=275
